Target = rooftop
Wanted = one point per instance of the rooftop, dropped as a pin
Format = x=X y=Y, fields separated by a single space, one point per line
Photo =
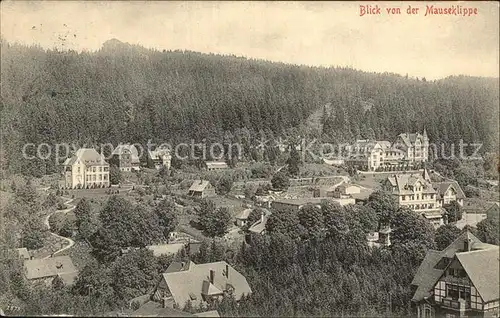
x=199 y=185
x=481 y=264
x=124 y=148
x=47 y=267
x=87 y=156
x=189 y=284
x=442 y=187
x=244 y=214
x=216 y=164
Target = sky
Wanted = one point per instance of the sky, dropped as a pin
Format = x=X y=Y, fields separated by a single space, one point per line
x=311 y=33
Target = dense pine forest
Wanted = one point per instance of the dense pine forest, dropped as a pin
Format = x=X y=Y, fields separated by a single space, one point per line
x=126 y=93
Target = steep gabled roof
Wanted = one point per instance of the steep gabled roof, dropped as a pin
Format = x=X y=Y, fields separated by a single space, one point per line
x=482 y=267
x=442 y=187
x=427 y=275
x=189 y=284
x=124 y=148
x=401 y=181
x=88 y=156
x=493 y=211
x=244 y=214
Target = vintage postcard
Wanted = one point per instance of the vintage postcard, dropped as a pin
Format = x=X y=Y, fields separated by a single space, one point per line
x=249 y=159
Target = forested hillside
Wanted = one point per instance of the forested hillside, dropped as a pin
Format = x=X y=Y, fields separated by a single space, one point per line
x=125 y=93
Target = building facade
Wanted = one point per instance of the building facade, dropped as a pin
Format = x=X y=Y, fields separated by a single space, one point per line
x=160 y=157
x=85 y=169
x=216 y=165
x=417 y=192
x=415 y=146
x=373 y=155
x=202 y=189
x=126 y=157
x=460 y=281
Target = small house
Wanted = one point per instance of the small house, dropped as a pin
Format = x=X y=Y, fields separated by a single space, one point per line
x=241 y=219
x=126 y=157
x=216 y=165
x=160 y=157
x=46 y=269
x=201 y=189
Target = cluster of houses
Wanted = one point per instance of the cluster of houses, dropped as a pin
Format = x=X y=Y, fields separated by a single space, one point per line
x=87 y=168
x=407 y=150
x=181 y=283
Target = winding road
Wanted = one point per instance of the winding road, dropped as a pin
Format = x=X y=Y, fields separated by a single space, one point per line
x=70 y=208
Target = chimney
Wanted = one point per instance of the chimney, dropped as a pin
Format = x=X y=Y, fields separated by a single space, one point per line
x=467 y=244
x=227 y=271
x=212 y=274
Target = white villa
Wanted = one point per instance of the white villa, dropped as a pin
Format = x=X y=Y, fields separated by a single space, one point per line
x=371 y=155
x=86 y=168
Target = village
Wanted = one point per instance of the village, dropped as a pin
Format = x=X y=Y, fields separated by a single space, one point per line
x=249 y=159
x=241 y=199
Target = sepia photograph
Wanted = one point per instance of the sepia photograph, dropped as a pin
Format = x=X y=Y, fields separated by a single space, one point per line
x=249 y=159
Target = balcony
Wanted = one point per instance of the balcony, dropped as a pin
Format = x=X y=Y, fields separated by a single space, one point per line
x=459 y=304
x=464 y=281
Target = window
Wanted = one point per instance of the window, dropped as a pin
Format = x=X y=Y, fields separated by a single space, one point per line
x=100 y=169
x=418 y=196
x=403 y=198
x=78 y=169
x=452 y=291
x=93 y=169
x=412 y=197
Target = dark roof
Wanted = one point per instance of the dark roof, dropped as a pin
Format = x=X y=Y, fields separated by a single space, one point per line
x=442 y=187
x=127 y=148
x=178 y=267
x=427 y=275
x=493 y=211
x=401 y=181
